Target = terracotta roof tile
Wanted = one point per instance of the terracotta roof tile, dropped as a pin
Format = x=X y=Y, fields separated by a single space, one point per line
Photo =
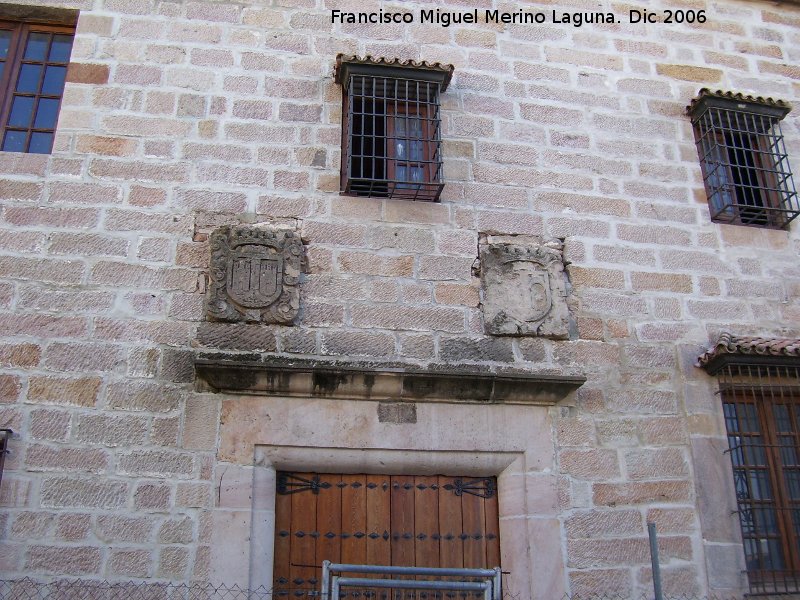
x=447 y=70
x=735 y=97
x=756 y=346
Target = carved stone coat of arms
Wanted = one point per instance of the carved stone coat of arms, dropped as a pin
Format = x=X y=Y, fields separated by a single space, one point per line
x=255 y=273
x=524 y=289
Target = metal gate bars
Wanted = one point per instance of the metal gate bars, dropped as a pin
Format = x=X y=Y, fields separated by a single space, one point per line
x=486 y=581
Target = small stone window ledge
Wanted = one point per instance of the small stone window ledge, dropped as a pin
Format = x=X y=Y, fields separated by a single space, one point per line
x=309 y=378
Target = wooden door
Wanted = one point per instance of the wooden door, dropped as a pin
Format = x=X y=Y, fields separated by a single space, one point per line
x=433 y=521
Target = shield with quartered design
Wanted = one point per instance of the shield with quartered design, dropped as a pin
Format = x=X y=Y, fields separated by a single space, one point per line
x=253 y=279
x=255 y=275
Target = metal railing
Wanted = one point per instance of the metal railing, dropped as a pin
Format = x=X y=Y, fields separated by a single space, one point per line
x=77 y=589
x=485 y=581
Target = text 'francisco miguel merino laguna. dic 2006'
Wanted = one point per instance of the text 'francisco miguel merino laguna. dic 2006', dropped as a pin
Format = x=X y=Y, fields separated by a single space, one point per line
x=446 y=18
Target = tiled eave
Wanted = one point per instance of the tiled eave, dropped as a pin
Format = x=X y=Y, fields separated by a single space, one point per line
x=730 y=349
x=254 y=374
x=737 y=101
x=370 y=65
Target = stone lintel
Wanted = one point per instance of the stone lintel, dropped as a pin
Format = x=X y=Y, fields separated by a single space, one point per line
x=309 y=378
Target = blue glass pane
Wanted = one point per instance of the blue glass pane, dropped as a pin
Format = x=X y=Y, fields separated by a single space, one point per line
x=54 y=81
x=14 y=141
x=59 y=51
x=21 y=112
x=36 y=48
x=29 y=76
x=5 y=41
x=46 y=114
x=41 y=143
x=415 y=150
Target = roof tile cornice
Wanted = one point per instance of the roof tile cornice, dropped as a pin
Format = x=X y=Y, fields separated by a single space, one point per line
x=706 y=94
x=446 y=70
x=730 y=345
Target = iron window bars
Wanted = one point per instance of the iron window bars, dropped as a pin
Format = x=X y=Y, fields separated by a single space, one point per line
x=746 y=169
x=759 y=385
x=33 y=68
x=391 y=134
x=5 y=435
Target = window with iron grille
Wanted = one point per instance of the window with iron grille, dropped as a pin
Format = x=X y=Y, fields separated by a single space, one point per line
x=760 y=392
x=33 y=69
x=391 y=127
x=746 y=169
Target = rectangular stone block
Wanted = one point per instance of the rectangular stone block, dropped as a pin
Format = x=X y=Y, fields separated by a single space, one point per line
x=69 y=492
x=46 y=458
x=80 y=560
x=113 y=529
x=630 y=494
x=409 y=317
x=157 y=463
x=59 y=390
x=200 y=423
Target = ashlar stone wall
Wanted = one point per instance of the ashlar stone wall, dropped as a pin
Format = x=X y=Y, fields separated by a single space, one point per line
x=182 y=116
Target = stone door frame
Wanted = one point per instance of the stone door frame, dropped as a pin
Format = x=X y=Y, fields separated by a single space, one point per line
x=523 y=538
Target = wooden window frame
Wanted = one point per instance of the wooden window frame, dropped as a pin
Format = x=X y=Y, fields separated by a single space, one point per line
x=766 y=469
x=12 y=66
x=428 y=141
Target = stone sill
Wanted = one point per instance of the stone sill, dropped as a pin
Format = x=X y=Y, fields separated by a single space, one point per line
x=309 y=378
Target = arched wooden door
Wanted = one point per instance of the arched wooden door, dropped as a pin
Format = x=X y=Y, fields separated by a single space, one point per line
x=433 y=521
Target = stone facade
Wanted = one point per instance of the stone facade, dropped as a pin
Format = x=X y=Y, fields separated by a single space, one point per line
x=181 y=117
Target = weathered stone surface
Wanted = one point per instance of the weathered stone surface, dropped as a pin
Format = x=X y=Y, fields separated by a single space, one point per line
x=152 y=496
x=715 y=491
x=255 y=274
x=60 y=492
x=604 y=523
x=397 y=412
x=176 y=531
x=173 y=562
x=84 y=560
x=117 y=528
x=129 y=563
x=157 y=463
x=387 y=381
x=524 y=288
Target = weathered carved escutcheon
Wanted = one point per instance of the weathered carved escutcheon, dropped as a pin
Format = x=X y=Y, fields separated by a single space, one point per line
x=524 y=288
x=255 y=272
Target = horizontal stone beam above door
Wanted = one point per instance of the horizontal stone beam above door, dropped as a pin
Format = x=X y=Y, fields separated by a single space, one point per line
x=309 y=378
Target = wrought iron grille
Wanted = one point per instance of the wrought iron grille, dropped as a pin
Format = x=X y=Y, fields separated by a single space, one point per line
x=746 y=170
x=5 y=435
x=761 y=405
x=393 y=139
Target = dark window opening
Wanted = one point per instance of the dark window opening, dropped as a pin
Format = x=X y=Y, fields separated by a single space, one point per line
x=391 y=140
x=33 y=69
x=745 y=166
